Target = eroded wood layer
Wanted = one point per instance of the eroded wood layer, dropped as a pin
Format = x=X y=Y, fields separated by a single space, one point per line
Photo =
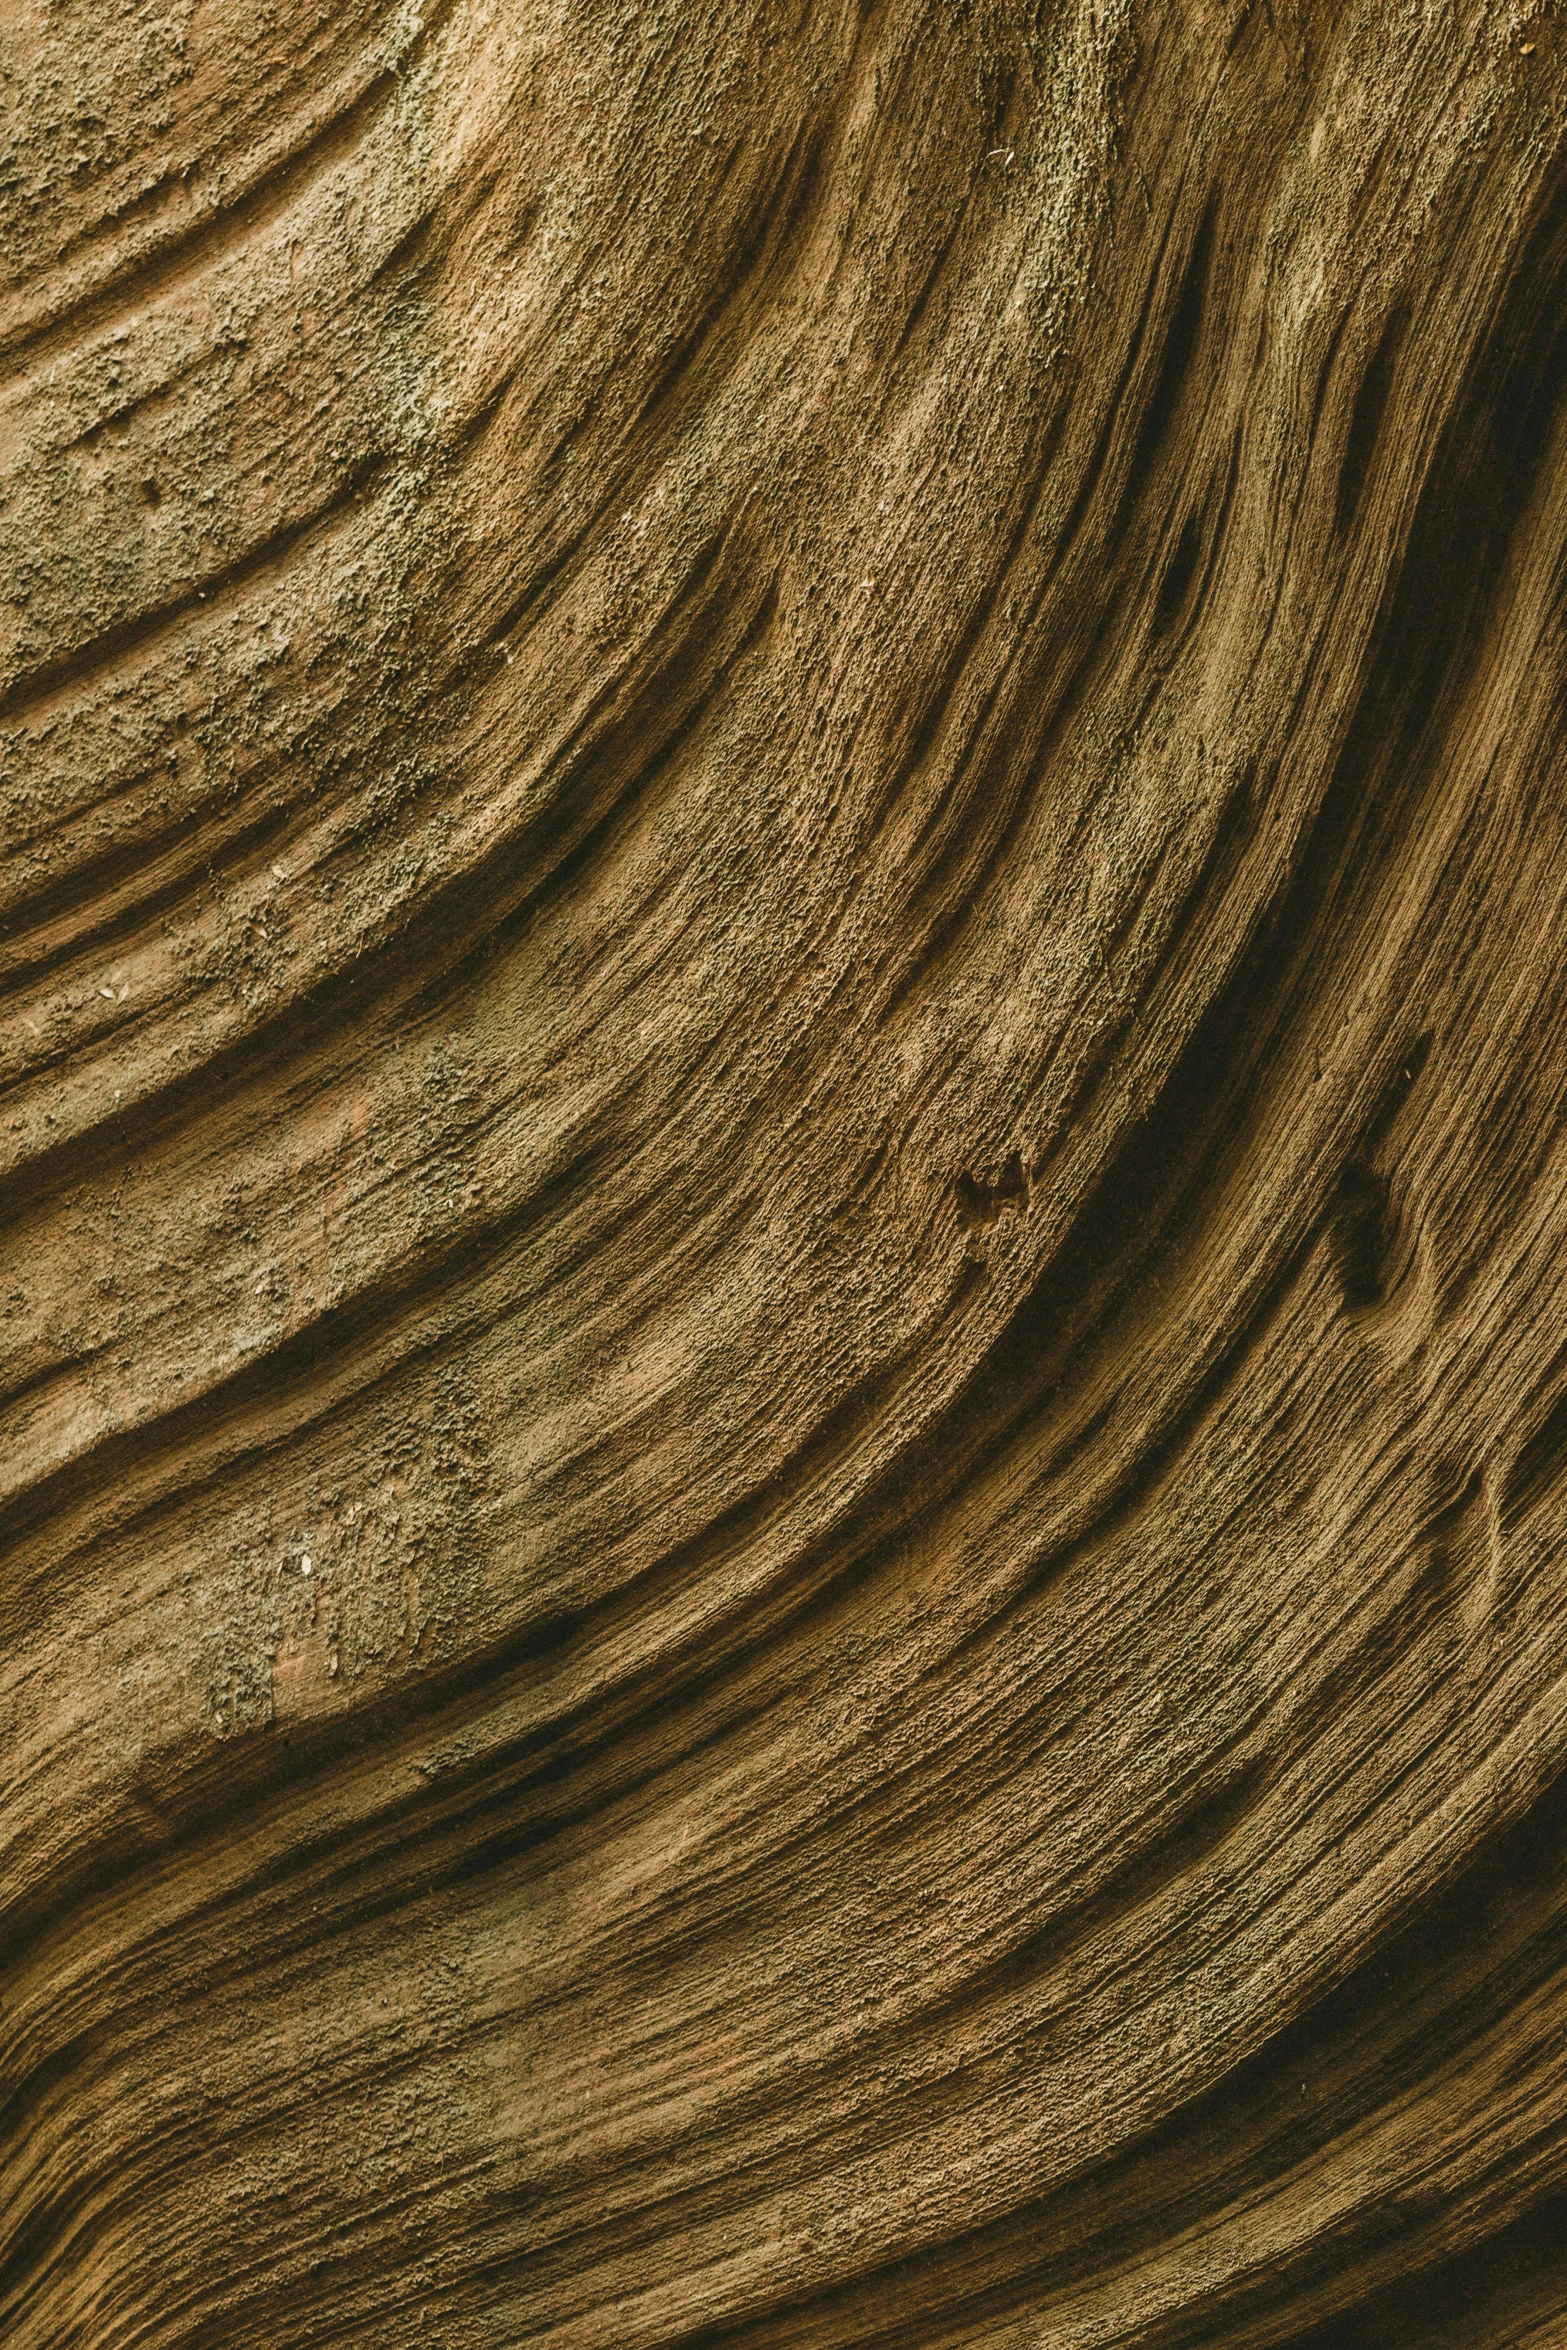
x=785 y=1407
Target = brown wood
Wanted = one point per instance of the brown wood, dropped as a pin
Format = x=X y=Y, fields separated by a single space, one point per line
x=785 y=1213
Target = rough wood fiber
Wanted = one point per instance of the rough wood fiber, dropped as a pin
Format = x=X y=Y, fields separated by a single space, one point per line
x=785 y=1433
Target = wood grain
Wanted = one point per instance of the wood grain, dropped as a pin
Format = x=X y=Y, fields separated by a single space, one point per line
x=784 y=962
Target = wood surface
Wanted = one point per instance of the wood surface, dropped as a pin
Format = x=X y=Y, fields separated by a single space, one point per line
x=783 y=1242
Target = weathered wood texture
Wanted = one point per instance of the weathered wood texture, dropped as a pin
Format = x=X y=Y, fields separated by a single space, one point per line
x=785 y=1218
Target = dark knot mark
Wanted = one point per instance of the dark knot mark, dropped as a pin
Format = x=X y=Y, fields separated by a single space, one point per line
x=981 y=1201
